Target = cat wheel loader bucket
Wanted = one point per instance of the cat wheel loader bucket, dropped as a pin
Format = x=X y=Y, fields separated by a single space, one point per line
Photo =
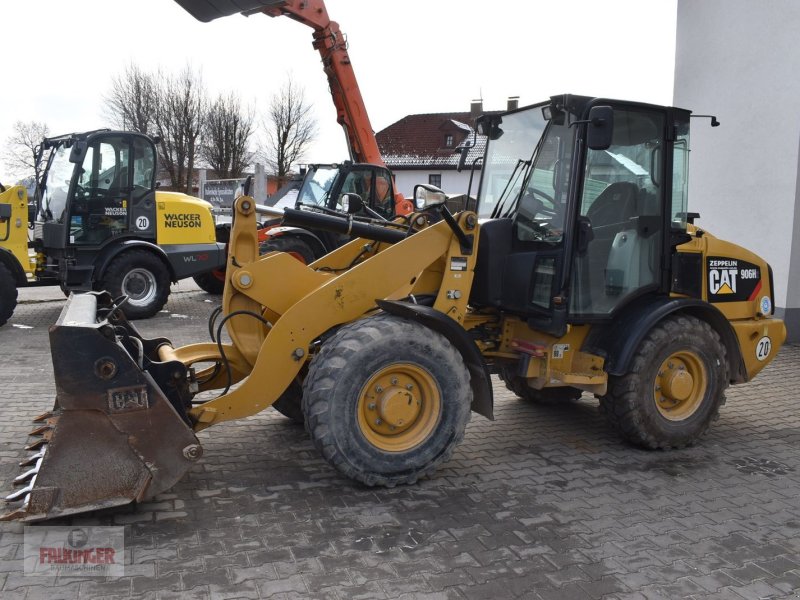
x=113 y=435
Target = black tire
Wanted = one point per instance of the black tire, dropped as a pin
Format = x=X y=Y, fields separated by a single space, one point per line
x=426 y=381
x=291 y=244
x=212 y=282
x=647 y=408
x=290 y=403
x=142 y=277
x=8 y=294
x=551 y=395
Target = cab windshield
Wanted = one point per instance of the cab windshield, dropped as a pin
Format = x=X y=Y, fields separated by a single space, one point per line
x=526 y=173
x=317 y=185
x=56 y=186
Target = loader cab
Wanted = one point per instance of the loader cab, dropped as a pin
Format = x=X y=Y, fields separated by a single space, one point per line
x=324 y=186
x=578 y=203
x=328 y=187
x=97 y=187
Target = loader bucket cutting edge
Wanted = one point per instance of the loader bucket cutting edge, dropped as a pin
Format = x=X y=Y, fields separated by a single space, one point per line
x=113 y=436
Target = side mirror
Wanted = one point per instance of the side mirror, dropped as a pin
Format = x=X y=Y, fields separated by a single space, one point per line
x=601 y=127
x=462 y=160
x=464 y=150
x=427 y=196
x=78 y=152
x=352 y=203
x=31 y=212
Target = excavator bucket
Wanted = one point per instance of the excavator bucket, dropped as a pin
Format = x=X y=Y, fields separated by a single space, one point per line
x=118 y=431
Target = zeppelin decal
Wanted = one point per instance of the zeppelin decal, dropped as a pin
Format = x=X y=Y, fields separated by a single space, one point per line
x=732 y=280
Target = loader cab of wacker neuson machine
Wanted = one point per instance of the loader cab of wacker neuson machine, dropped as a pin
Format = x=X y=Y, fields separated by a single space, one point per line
x=96 y=187
x=582 y=200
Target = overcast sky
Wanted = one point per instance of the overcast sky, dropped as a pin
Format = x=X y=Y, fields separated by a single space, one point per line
x=410 y=56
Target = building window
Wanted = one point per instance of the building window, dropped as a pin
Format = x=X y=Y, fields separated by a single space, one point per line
x=435 y=180
x=448 y=141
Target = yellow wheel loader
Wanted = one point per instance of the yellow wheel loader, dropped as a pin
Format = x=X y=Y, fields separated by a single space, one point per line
x=98 y=223
x=579 y=271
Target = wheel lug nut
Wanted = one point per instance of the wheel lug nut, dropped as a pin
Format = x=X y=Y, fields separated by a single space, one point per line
x=371 y=406
x=378 y=389
x=394 y=380
x=378 y=421
x=409 y=387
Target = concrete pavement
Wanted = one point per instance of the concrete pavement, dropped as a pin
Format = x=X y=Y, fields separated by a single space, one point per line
x=543 y=503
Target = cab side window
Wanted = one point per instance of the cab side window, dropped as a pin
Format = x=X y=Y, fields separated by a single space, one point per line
x=384 y=199
x=144 y=161
x=357 y=182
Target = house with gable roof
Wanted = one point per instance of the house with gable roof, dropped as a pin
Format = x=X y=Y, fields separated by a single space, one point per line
x=426 y=148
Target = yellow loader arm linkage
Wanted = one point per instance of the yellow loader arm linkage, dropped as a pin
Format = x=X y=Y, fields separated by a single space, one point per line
x=123 y=426
x=308 y=303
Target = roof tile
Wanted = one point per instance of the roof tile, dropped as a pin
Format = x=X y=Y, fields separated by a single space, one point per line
x=419 y=140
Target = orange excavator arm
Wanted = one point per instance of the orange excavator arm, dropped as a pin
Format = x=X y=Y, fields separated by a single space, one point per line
x=330 y=42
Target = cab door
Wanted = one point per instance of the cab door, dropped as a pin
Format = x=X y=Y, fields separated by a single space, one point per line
x=621 y=198
x=99 y=207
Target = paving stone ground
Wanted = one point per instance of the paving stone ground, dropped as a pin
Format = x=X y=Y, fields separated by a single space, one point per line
x=543 y=503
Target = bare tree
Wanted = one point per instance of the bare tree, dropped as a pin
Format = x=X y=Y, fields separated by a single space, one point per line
x=19 y=156
x=227 y=130
x=179 y=115
x=291 y=127
x=131 y=104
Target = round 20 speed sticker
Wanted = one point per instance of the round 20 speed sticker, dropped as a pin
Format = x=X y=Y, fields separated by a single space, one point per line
x=763 y=348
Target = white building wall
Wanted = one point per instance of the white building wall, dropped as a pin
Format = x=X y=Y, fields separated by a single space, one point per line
x=740 y=60
x=453 y=182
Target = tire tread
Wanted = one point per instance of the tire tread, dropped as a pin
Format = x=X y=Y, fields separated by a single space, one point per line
x=322 y=379
x=621 y=405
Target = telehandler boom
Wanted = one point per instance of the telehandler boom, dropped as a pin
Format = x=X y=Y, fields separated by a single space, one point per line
x=366 y=165
x=331 y=44
x=580 y=273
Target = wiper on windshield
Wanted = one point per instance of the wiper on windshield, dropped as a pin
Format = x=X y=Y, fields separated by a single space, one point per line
x=525 y=173
x=520 y=169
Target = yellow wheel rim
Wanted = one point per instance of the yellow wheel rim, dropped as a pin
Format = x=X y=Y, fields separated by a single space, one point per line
x=680 y=386
x=399 y=407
